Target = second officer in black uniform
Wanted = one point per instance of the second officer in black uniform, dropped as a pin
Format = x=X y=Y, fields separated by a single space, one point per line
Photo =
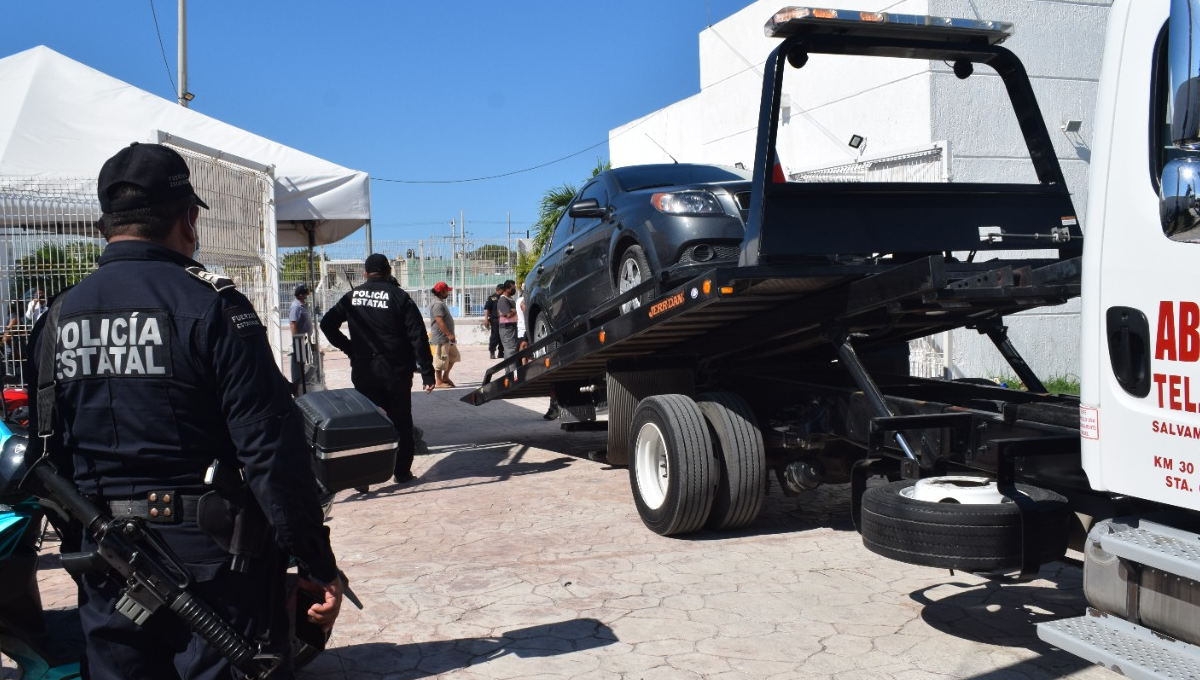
x=163 y=368
x=387 y=342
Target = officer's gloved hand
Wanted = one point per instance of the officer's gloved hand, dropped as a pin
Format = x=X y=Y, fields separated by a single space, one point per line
x=324 y=613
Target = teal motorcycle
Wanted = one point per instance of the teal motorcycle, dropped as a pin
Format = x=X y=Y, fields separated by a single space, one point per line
x=46 y=645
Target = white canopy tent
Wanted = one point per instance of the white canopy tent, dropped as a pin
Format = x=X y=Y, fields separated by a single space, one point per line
x=60 y=118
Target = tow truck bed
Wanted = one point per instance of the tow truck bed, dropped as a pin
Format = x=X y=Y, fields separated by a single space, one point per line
x=777 y=310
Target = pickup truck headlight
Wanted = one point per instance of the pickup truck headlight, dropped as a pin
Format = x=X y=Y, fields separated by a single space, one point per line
x=687 y=203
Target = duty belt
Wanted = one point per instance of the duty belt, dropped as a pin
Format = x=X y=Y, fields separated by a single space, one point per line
x=160 y=507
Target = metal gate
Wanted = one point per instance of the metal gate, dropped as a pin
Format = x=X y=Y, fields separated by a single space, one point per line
x=48 y=240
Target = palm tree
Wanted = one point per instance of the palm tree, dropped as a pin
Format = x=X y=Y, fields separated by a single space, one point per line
x=550 y=210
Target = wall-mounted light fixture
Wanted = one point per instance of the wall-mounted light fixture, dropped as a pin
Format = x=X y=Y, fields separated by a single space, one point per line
x=858 y=142
x=1072 y=126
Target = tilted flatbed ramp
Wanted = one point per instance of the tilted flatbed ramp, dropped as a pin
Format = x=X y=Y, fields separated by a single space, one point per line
x=783 y=310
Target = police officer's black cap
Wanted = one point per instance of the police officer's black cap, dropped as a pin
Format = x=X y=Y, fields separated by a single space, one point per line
x=160 y=172
x=377 y=263
x=500 y=286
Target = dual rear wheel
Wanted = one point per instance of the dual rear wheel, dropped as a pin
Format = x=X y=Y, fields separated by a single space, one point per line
x=696 y=464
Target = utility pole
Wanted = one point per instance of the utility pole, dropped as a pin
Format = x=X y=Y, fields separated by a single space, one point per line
x=462 y=275
x=184 y=95
x=453 y=258
x=508 y=243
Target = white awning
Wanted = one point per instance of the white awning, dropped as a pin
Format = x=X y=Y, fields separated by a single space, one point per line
x=61 y=119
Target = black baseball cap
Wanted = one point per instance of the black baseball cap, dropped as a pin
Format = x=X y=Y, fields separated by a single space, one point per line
x=301 y=290
x=377 y=263
x=159 y=171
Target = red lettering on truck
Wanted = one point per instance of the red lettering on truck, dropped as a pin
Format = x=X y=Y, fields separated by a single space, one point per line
x=1178 y=336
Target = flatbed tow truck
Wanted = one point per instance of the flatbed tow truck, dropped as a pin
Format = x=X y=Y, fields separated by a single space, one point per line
x=788 y=362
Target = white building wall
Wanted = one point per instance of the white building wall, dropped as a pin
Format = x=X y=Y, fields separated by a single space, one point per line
x=1061 y=43
x=899 y=105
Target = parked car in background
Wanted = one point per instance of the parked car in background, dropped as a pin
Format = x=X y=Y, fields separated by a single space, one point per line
x=630 y=224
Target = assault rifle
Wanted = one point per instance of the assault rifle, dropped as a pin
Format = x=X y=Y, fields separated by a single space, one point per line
x=132 y=553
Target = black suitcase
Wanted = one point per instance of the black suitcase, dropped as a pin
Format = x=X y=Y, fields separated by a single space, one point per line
x=354 y=443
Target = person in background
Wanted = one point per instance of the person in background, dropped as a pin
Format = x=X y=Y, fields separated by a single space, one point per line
x=441 y=334
x=14 y=343
x=491 y=323
x=36 y=307
x=387 y=342
x=506 y=313
x=300 y=318
x=522 y=334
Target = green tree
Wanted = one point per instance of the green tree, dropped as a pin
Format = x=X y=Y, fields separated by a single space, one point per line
x=294 y=266
x=550 y=210
x=53 y=267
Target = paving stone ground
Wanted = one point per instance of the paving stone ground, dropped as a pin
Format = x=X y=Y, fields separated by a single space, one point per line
x=515 y=555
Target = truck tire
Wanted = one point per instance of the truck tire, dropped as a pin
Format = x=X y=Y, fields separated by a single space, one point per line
x=741 y=460
x=673 y=471
x=958 y=535
x=632 y=270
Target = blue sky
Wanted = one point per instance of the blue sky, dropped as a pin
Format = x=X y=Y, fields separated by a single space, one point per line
x=405 y=90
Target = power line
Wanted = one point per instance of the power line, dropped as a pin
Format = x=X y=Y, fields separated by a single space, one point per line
x=158 y=32
x=480 y=179
x=517 y=172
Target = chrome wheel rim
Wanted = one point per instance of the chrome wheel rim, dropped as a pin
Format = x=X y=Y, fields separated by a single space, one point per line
x=540 y=330
x=629 y=277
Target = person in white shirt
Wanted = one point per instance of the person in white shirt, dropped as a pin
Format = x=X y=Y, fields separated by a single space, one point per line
x=36 y=307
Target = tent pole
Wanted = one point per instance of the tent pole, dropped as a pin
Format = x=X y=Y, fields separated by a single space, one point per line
x=318 y=360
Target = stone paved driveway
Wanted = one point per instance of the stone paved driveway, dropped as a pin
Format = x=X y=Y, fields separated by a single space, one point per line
x=514 y=555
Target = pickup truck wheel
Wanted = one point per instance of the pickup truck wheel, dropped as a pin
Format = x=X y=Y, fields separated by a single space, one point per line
x=741 y=460
x=673 y=472
x=632 y=271
x=958 y=523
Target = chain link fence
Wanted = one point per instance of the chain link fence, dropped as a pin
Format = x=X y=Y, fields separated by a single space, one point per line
x=472 y=268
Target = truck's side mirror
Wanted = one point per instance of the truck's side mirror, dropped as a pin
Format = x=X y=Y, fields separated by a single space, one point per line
x=1179 y=205
x=1184 y=64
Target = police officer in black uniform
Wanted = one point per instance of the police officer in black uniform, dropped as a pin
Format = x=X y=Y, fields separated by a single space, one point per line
x=163 y=368
x=387 y=343
x=493 y=324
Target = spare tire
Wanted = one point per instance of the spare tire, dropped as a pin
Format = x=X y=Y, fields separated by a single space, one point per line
x=971 y=536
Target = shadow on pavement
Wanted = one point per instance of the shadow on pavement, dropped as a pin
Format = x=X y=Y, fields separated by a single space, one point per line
x=472 y=466
x=429 y=659
x=1007 y=615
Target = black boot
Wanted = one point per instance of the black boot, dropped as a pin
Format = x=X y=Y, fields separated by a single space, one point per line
x=553 y=412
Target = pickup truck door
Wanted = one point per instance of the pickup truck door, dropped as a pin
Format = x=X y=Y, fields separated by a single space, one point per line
x=1140 y=417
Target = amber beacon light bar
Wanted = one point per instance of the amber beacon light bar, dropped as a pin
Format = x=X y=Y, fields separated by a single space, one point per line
x=811 y=20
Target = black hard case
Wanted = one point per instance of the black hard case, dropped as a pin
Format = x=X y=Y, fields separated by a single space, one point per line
x=354 y=443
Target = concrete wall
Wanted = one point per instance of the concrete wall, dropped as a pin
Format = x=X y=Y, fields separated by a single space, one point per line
x=899 y=105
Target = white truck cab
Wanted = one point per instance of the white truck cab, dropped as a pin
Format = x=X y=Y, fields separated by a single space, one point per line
x=1140 y=388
